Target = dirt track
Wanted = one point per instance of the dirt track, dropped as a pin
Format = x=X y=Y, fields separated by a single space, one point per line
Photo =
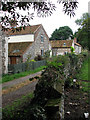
x=7 y=99
x=10 y=97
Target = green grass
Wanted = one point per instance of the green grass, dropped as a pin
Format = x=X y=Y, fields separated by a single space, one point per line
x=84 y=75
x=84 y=71
x=7 y=78
x=17 y=106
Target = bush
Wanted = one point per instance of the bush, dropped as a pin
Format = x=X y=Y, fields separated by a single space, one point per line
x=38 y=58
x=47 y=54
x=68 y=82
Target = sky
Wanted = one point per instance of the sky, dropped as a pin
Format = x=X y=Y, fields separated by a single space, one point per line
x=59 y=19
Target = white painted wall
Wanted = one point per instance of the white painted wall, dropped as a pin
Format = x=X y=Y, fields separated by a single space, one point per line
x=73 y=44
x=21 y=38
x=77 y=49
x=50 y=48
x=80 y=49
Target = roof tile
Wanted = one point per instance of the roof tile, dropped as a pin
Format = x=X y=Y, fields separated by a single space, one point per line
x=61 y=43
x=17 y=49
x=28 y=30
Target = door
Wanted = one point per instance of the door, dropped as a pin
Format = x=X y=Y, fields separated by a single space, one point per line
x=12 y=60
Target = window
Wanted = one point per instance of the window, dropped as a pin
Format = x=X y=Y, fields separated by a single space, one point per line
x=64 y=44
x=65 y=52
x=15 y=51
x=42 y=52
x=42 y=39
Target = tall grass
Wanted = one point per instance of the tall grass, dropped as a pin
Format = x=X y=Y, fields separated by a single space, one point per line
x=84 y=75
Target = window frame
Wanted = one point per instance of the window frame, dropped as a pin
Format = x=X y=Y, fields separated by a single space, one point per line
x=42 y=38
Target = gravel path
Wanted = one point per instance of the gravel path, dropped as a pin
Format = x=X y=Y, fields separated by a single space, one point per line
x=8 y=98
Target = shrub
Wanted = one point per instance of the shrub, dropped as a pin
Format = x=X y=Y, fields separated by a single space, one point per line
x=38 y=58
x=72 y=49
x=47 y=54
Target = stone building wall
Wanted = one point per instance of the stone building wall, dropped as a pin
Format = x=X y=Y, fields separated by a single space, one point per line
x=30 y=53
x=37 y=45
x=60 y=51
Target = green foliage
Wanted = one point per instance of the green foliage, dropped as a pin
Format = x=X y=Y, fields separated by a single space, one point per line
x=68 y=82
x=47 y=54
x=28 y=58
x=16 y=110
x=23 y=110
x=81 y=20
x=42 y=9
x=83 y=32
x=84 y=75
x=32 y=60
x=72 y=49
x=52 y=73
x=62 y=33
x=54 y=64
x=60 y=59
x=38 y=58
x=37 y=113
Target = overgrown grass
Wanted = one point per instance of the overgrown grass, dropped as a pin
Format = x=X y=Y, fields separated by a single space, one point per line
x=17 y=106
x=84 y=76
x=7 y=78
x=84 y=71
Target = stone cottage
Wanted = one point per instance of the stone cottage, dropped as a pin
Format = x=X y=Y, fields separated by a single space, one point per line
x=26 y=43
x=61 y=47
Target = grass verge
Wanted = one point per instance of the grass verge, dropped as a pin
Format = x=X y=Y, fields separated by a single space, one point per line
x=83 y=76
x=7 y=78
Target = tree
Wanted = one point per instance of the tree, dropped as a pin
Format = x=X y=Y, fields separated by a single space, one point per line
x=83 y=32
x=62 y=33
x=81 y=20
x=43 y=9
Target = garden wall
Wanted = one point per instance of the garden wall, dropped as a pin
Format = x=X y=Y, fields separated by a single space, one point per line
x=49 y=92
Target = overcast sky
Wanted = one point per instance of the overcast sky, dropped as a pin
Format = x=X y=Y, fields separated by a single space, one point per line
x=59 y=19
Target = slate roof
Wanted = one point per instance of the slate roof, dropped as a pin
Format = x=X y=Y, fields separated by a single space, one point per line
x=18 y=49
x=61 y=43
x=28 y=30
